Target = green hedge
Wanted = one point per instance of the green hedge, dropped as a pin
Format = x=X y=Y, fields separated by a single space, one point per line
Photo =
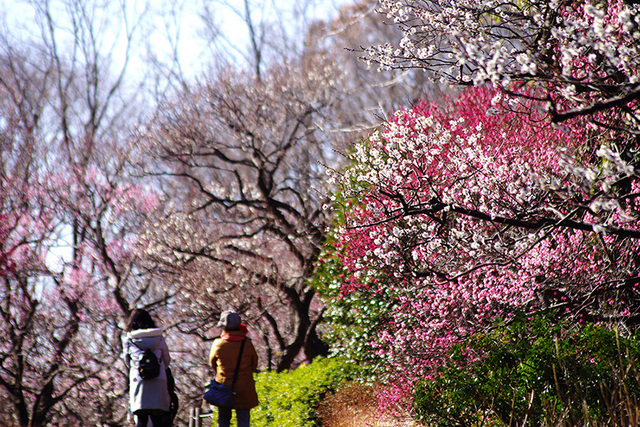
x=290 y=399
x=536 y=372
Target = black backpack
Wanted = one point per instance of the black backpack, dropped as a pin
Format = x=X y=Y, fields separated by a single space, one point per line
x=148 y=365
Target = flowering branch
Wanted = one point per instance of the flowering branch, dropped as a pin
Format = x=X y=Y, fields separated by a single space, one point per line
x=467 y=217
x=583 y=58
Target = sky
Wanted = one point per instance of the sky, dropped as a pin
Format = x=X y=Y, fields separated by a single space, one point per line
x=184 y=25
x=234 y=30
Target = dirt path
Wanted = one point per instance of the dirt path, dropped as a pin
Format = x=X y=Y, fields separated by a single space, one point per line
x=357 y=406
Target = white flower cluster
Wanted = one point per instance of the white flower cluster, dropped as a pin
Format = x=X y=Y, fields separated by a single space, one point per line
x=400 y=170
x=596 y=183
x=417 y=159
x=537 y=40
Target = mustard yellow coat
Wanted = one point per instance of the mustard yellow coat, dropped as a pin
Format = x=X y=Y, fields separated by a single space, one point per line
x=223 y=358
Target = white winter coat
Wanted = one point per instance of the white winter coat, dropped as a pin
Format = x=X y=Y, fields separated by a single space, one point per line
x=153 y=393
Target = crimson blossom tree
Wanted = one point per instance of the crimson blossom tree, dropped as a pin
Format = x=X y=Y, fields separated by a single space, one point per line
x=462 y=218
x=581 y=56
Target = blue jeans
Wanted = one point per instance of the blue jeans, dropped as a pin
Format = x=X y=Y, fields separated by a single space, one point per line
x=243 y=417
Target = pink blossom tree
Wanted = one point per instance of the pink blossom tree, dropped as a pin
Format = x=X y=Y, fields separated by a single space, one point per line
x=463 y=217
x=239 y=155
x=68 y=216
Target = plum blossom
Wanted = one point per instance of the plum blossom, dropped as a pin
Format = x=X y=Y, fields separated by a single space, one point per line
x=490 y=214
x=583 y=58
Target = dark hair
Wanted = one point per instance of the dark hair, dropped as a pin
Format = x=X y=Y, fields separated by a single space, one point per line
x=140 y=319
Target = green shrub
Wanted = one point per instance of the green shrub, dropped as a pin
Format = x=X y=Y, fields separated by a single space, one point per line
x=352 y=319
x=536 y=372
x=290 y=399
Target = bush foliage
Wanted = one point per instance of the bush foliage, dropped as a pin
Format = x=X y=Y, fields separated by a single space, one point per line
x=290 y=399
x=351 y=320
x=536 y=372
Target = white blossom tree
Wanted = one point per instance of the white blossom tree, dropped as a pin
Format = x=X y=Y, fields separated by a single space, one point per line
x=574 y=57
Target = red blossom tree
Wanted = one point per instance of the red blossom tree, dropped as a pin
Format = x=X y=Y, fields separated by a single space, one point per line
x=466 y=216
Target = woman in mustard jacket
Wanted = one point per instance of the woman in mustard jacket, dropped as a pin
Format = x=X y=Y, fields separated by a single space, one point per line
x=224 y=357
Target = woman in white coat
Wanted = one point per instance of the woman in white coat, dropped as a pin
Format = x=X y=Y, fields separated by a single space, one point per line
x=148 y=398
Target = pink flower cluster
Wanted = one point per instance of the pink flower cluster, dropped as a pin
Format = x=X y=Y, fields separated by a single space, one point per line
x=431 y=188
